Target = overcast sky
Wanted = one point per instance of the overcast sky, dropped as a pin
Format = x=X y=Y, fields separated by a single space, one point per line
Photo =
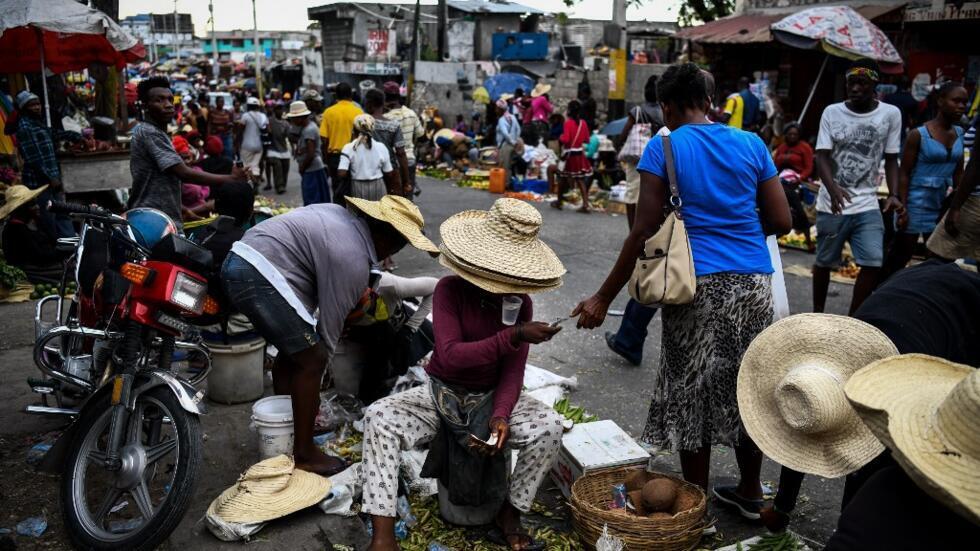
x=291 y=14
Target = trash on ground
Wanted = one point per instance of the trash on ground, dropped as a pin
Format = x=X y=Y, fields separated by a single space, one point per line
x=607 y=542
x=32 y=527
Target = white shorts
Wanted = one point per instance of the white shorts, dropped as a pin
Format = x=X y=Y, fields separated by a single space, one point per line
x=632 y=183
x=253 y=161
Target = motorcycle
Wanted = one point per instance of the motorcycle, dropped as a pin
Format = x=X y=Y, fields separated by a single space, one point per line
x=130 y=459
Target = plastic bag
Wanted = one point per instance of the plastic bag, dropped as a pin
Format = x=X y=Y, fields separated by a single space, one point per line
x=337 y=409
x=607 y=542
x=780 y=300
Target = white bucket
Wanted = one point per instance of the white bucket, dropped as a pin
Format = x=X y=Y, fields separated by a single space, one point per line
x=273 y=420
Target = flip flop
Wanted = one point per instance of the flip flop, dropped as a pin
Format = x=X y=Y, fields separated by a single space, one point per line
x=497 y=536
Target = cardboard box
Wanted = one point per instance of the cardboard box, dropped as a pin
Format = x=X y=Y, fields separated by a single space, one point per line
x=591 y=447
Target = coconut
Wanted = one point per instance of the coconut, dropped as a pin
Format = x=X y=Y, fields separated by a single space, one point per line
x=685 y=502
x=636 y=480
x=659 y=494
x=636 y=498
x=660 y=515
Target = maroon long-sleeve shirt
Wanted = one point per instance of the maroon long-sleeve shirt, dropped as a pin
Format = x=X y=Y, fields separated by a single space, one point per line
x=473 y=347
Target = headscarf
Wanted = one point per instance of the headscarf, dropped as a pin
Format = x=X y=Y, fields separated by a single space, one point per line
x=25 y=97
x=364 y=125
x=181 y=145
x=213 y=146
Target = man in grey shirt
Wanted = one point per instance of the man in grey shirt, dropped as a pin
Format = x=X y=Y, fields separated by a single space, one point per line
x=315 y=185
x=314 y=259
x=156 y=167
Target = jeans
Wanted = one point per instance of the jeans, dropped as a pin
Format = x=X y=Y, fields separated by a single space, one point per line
x=865 y=231
x=633 y=329
x=58 y=225
x=315 y=187
x=229 y=146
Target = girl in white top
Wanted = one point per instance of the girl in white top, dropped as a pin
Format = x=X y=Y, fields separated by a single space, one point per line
x=368 y=163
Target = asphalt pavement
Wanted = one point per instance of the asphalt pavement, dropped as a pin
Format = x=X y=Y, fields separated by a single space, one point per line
x=609 y=387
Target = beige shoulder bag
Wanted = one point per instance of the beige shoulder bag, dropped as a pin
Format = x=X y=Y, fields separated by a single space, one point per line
x=664 y=273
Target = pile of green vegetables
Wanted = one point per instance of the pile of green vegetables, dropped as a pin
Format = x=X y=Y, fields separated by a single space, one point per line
x=10 y=276
x=772 y=542
x=573 y=413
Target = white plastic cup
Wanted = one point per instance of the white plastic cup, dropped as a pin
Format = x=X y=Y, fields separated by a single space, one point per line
x=511 y=308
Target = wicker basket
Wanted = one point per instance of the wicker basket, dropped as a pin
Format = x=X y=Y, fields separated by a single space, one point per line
x=592 y=493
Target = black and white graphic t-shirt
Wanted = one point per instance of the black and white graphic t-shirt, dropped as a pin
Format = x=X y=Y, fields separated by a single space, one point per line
x=857 y=142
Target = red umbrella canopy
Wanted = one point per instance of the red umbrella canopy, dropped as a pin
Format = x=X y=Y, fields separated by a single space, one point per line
x=73 y=36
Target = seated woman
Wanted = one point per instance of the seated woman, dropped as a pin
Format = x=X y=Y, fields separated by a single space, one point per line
x=794 y=161
x=479 y=360
x=25 y=244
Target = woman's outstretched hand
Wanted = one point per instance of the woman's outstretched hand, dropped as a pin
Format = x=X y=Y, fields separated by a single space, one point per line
x=533 y=332
x=591 y=312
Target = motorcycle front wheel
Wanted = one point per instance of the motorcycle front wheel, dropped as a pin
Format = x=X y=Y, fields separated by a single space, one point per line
x=138 y=505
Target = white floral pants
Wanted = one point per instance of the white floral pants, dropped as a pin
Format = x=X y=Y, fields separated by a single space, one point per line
x=408 y=419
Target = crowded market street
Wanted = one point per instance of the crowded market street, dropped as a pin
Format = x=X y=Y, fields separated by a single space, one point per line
x=608 y=387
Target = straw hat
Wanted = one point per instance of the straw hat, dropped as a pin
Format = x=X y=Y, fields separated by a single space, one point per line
x=400 y=213
x=499 y=250
x=269 y=490
x=17 y=195
x=297 y=109
x=926 y=410
x=540 y=89
x=791 y=392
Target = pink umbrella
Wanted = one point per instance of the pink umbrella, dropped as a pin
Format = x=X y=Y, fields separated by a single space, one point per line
x=839 y=31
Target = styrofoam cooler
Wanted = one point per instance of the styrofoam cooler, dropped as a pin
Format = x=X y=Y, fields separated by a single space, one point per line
x=591 y=447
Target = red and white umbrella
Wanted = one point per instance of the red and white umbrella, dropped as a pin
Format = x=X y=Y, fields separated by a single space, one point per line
x=61 y=36
x=839 y=31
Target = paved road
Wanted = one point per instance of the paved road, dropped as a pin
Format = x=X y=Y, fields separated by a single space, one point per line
x=609 y=387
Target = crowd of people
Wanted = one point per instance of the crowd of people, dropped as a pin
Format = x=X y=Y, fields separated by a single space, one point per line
x=309 y=278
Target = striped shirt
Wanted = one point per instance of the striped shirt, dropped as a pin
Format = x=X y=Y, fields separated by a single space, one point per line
x=411 y=128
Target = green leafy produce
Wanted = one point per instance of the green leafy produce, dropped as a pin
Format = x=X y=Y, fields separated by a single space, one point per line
x=10 y=276
x=775 y=542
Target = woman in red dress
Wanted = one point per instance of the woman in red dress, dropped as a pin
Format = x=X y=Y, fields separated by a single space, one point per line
x=575 y=166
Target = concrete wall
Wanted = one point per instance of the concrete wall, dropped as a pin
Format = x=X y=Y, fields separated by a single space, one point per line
x=447 y=86
x=636 y=78
x=565 y=88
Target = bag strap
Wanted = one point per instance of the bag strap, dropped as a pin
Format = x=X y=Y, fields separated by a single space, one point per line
x=675 y=196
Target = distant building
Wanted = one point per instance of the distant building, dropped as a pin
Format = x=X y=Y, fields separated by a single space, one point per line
x=239 y=45
x=161 y=32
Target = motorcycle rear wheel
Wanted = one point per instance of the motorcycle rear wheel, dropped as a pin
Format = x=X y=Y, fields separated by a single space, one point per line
x=151 y=463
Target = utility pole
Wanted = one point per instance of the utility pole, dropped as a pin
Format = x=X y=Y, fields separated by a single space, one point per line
x=214 y=44
x=443 y=21
x=415 y=55
x=255 y=41
x=176 y=32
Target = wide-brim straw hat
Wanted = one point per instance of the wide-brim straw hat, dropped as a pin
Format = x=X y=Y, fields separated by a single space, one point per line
x=501 y=245
x=490 y=282
x=540 y=89
x=402 y=214
x=791 y=392
x=268 y=490
x=926 y=410
x=297 y=109
x=17 y=195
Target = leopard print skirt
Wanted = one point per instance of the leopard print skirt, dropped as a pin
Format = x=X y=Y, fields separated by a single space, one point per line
x=694 y=402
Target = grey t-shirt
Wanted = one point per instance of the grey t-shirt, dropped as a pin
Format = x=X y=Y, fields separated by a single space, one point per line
x=310 y=133
x=151 y=154
x=325 y=254
x=389 y=133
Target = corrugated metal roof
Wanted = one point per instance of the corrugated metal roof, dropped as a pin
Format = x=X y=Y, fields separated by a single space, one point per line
x=754 y=28
x=491 y=6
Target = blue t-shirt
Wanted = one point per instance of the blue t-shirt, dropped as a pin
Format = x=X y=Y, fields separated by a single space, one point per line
x=719 y=169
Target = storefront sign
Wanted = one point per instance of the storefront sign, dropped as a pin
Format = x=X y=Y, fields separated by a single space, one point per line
x=380 y=43
x=361 y=68
x=970 y=10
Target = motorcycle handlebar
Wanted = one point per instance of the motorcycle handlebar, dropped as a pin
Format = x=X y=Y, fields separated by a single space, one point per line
x=87 y=211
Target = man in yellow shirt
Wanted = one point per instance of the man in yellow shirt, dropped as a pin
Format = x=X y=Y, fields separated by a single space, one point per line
x=336 y=130
x=734 y=108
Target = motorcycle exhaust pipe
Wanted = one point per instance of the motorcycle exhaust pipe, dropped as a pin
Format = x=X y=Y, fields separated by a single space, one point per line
x=40 y=357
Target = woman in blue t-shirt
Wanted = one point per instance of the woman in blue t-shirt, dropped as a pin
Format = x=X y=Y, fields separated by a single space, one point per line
x=731 y=199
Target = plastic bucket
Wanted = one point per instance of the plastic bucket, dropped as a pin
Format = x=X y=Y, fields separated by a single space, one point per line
x=273 y=420
x=236 y=371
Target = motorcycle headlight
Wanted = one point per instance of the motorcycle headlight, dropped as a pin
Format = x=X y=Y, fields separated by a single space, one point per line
x=189 y=293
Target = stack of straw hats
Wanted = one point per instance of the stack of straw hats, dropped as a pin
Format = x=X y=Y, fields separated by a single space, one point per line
x=499 y=250
x=402 y=214
x=269 y=490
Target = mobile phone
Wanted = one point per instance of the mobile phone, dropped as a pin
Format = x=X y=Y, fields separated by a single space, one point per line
x=560 y=321
x=486 y=445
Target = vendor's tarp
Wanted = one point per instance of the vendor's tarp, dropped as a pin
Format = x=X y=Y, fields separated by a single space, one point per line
x=74 y=36
x=506 y=83
x=838 y=30
x=614 y=128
